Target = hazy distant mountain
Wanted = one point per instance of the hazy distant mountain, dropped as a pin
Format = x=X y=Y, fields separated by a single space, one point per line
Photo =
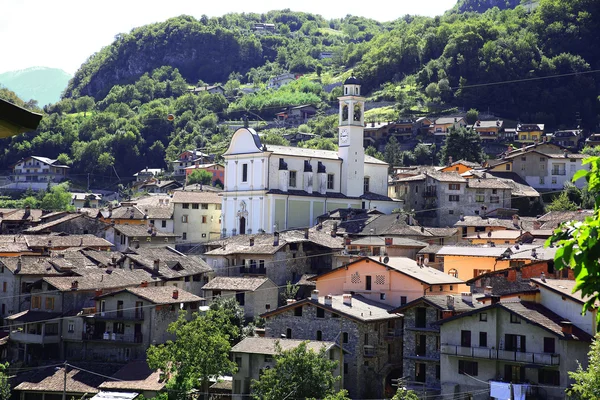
x=40 y=83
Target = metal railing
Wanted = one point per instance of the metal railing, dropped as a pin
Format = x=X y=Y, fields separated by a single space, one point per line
x=559 y=172
x=114 y=337
x=506 y=355
x=121 y=315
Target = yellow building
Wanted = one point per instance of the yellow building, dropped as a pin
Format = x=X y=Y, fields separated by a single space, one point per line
x=529 y=133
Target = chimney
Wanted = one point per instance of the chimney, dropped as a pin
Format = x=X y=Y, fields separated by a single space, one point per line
x=334 y=229
x=566 y=327
x=49 y=243
x=251 y=242
x=144 y=284
x=305 y=233
x=450 y=302
x=315 y=295
x=98 y=292
x=543 y=277
x=449 y=160
x=347 y=299
x=156 y=265
x=114 y=260
x=495 y=299
x=175 y=294
x=74 y=285
x=487 y=291
x=275 y=238
x=328 y=300
x=19 y=265
x=467 y=297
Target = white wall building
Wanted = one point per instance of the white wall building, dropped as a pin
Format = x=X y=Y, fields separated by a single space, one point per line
x=270 y=188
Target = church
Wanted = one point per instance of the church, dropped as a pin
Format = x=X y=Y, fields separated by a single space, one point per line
x=271 y=188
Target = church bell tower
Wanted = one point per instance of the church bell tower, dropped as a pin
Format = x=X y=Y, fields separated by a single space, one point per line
x=350 y=138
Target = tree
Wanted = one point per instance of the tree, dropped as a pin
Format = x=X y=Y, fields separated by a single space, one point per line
x=562 y=203
x=472 y=116
x=200 y=350
x=199 y=176
x=577 y=241
x=4 y=382
x=290 y=291
x=587 y=381
x=85 y=104
x=64 y=159
x=392 y=153
x=230 y=306
x=57 y=198
x=462 y=144
x=299 y=373
x=405 y=394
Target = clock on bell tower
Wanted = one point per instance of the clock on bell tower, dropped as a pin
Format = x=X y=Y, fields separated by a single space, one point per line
x=350 y=138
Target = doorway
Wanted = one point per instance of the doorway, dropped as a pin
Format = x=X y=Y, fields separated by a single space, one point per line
x=242 y=225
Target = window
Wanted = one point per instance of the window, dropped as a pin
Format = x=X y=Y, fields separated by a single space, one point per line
x=482 y=339
x=467 y=367
x=541 y=180
x=420 y=317
x=194 y=206
x=368 y=282
x=240 y=298
x=244 y=172
x=71 y=326
x=523 y=158
x=453 y=197
x=542 y=159
x=4 y=286
x=204 y=206
x=381 y=296
x=292 y=179
x=319 y=335
x=514 y=343
x=514 y=373
x=163 y=224
x=184 y=235
x=494 y=199
x=402 y=300
x=320 y=312
x=437 y=371
x=479 y=198
x=465 y=338
x=49 y=303
x=119 y=328
x=454 y=186
x=36 y=302
x=51 y=330
x=185 y=205
x=288 y=333
x=204 y=219
x=508 y=167
x=483 y=317
x=549 y=377
x=330 y=181
x=366 y=184
x=298 y=311
x=554 y=180
x=549 y=345
x=345 y=337
x=184 y=219
x=261 y=264
x=515 y=319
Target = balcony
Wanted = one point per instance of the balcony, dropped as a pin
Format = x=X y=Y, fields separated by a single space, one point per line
x=430 y=192
x=253 y=270
x=121 y=315
x=113 y=337
x=393 y=334
x=559 y=172
x=369 y=351
x=33 y=338
x=546 y=359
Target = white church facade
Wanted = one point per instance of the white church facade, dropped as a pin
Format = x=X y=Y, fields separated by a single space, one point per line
x=271 y=188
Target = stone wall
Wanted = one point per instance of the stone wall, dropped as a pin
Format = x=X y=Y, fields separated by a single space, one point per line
x=432 y=351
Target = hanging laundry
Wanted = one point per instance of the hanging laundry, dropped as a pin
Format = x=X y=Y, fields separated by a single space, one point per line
x=520 y=391
x=500 y=390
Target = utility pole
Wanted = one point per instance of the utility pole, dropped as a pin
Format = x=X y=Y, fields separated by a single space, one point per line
x=88 y=181
x=64 y=394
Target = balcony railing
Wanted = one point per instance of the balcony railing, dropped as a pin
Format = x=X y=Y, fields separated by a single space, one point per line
x=430 y=192
x=253 y=270
x=23 y=337
x=559 y=172
x=127 y=315
x=369 y=351
x=114 y=337
x=506 y=355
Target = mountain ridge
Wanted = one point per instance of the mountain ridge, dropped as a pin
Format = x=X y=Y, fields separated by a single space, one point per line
x=43 y=84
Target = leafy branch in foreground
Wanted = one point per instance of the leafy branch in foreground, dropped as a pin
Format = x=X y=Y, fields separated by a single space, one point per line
x=578 y=241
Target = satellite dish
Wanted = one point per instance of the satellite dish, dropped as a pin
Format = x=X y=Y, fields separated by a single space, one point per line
x=426 y=261
x=386 y=259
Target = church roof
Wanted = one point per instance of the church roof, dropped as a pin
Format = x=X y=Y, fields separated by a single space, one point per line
x=315 y=153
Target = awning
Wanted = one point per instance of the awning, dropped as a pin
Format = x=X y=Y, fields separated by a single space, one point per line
x=33 y=316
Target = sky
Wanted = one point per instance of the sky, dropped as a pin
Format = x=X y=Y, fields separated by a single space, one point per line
x=64 y=33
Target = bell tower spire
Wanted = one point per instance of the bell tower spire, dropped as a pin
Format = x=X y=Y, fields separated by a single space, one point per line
x=350 y=138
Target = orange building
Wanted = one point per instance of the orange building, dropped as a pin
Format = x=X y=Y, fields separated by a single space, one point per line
x=217 y=171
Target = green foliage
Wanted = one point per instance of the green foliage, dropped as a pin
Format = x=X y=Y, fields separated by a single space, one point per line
x=578 y=243
x=472 y=116
x=392 y=153
x=591 y=151
x=341 y=395
x=274 y=136
x=298 y=373
x=587 y=381
x=289 y=292
x=199 y=176
x=404 y=394
x=319 y=143
x=57 y=199
x=372 y=151
x=200 y=350
x=562 y=203
x=5 y=392
x=462 y=144
x=84 y=104
x=228 y=306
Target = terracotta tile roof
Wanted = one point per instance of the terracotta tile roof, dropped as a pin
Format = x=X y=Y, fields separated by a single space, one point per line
x=136 y=376
x=181 y=196
x=235 y=283
x=268 y=346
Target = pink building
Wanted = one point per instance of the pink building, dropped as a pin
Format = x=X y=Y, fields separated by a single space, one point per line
x=217 y=171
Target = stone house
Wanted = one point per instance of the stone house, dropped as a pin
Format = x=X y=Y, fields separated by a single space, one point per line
x=124 y=323
x=71 y=224
x=421 y=338
x=136 y=377
x=398 y=280
x=37 y=172
x=138 y=236
x=14 y=221
x=514 y=342
x=86 y=200
x=472 y=224
x=147 y=173
x=188 y=158
x=43 y=244
x=159 y=186
x=391 y=246
x=253 y=354
x=255 y=295
x=281 y=257
x=367 y=333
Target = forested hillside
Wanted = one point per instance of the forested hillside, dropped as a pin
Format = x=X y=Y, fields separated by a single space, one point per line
x=113 y=114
